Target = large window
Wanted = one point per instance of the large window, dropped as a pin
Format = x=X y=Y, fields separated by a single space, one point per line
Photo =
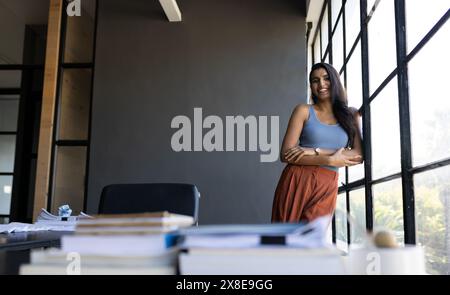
x=394 y=69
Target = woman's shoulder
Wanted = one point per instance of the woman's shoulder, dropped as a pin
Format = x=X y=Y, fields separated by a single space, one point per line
x=301 y=111
x=302 y=108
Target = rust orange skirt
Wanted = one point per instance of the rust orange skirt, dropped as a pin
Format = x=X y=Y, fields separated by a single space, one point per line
x=304 y=193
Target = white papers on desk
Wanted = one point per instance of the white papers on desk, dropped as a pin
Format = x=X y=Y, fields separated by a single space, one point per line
x=56 y=222
x=17 y=227
x=46 y=218
x=44 y=222
x=310 y=235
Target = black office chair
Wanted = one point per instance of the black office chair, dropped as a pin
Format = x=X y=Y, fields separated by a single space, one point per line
x=176 y=198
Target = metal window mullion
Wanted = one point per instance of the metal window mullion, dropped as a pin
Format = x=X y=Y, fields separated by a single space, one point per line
x=430 y=166
x=366 y=116
x=6 y=173
x=8 y=133
x=88 y=151
x=333 y=229
x=73 y=143
x=383 y=84
x=75 y=65
x=319 y=27
x=405 y=128
x=330 y=34
x=347 y=203
x=350 y=53
x=20 y=67
x=386 y=178
x=344 y=45
x=10 y=91
x=338 y=18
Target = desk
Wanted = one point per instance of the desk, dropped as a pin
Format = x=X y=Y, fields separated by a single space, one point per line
x=15 y=247
x=30 y=240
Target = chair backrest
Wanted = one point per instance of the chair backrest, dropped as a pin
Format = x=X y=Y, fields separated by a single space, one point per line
x=177 y=198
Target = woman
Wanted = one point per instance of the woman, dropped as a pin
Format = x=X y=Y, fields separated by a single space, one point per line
x=329 y=136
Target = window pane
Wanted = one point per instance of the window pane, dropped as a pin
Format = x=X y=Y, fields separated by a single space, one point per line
x=324 y=31
x=358 y=213
x=10 y=79
x=70 y=173
x=355 y=172
x=9 y=110
x=75 y=98
x=335 y=8
x=7 y=151
x=12 y=31
x=317 y=56
x=429 y=99
x=5 y=194
x=382 y=50
x=80 y=35
x=388 y=207
x=341 y=179
x=352 y=22
x=385 y=132
x=341 y=222
x=338 y=47
x=429 y=12
x=432 y=198
x=354 y=78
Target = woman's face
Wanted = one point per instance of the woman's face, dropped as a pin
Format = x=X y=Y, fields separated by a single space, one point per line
x=320 y=84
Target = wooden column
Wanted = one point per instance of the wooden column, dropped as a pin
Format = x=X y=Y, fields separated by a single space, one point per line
x=48 y=107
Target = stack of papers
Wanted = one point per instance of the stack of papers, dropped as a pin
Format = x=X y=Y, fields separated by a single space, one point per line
x=301 y=235
x=18 y=227
x=46 y=218
x=45 y=222
x=259 y=249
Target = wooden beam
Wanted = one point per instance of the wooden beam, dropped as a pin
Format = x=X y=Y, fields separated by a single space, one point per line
x=171 y=9
x=48 y=107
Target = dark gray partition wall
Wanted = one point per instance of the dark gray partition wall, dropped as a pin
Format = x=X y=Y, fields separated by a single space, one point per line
x=228 y=57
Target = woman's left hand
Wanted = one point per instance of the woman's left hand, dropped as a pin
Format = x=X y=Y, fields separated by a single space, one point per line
x=296 y=153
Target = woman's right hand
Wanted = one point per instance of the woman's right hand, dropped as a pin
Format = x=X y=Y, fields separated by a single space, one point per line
x=338 y=159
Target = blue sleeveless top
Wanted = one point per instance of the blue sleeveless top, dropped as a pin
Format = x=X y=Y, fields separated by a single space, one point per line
x=320 y=135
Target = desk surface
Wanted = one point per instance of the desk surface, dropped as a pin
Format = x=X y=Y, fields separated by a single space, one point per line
x=15 y=248
x=29 y=240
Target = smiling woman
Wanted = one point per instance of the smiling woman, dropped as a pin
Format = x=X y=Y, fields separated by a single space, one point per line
x=329 y=138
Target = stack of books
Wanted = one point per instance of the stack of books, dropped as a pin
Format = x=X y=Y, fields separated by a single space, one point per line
x=142 y=243
x=272 y=249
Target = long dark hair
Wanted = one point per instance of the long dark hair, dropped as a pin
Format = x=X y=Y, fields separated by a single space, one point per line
x=341 y=110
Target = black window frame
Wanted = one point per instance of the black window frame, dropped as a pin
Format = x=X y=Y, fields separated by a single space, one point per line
x=407 y=170
x=56 y=142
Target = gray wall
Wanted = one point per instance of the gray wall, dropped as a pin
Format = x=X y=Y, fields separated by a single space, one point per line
x=230 y=57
